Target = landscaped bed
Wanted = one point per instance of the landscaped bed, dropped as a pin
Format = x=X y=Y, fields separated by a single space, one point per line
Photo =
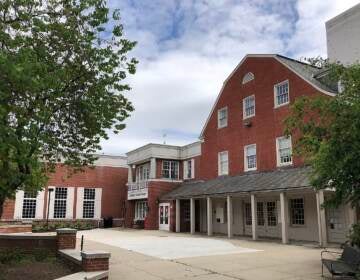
x=15 y=264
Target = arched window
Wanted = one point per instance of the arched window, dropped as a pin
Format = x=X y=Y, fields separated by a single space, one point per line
x=248 y=77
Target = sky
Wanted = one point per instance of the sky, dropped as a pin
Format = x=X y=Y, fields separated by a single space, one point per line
x=187 y=48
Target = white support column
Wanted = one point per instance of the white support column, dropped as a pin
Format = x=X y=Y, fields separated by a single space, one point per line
x=284 y=218
x=229 y=216
x=321 y=218
x=177 y=215
x=254 y=217
x=192 y=215
x=130 y=174
x=152 y=168
x=209 y=216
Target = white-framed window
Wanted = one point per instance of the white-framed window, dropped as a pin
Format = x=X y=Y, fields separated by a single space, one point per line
x=284 y=151
x=271 y=213
x=143 y=172
x=140 y=210
x=250 y=157
x=248 y=215
x=260 y=214
x=222 y=117
x=223 y=165
x=60 y=203
x=281 y=93
x=189 y=169
x=248 y=77
x=170 y=169
x=249 y=106
x=89 y=203
x=29 y=205
x=297 y=212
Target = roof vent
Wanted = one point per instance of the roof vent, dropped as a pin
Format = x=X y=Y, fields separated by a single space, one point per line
x=248 y=77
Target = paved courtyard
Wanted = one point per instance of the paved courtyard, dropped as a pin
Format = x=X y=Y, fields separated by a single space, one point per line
x=161 y=255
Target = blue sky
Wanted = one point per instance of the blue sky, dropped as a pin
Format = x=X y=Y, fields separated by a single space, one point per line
x=187 y=49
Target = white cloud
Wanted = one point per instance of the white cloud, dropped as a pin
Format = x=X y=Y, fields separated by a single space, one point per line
x=187 y=49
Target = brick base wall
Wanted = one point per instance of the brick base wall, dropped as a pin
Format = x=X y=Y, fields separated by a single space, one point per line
x=28 y=244
x=15 y=228
x=95 y=264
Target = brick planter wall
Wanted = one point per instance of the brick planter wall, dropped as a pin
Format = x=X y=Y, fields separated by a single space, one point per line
x=15 y=228
x=95 y=261
x=66 y=238
x=28 y=243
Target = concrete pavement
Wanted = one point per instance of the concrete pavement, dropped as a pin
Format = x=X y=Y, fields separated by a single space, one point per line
x=269 y=260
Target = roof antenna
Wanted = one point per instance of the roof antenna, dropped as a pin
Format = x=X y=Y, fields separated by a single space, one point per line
x=164 y=137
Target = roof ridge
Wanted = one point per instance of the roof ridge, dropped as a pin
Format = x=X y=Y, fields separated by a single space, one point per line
x=298 y=61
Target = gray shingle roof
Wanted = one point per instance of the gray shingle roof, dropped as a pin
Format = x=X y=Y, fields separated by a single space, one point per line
x=308 y=72
x=282 y=179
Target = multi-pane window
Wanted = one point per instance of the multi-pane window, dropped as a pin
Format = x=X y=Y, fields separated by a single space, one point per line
x=29 y=205
x=249 y=106
x=60 y=203
x=140 y=210
x=284 y=151
x=260 y=214
x=223 y=158
x=143 y=172
x=297 y=212
x=248 y=216
x=170 y=169
x=271 y=213
x=89 y=203
x=250 y=157
x=222 y=117
x=281 y=93
x=188 y=166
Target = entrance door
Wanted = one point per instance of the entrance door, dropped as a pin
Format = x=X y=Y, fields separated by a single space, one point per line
x=267 y=219
x=336 y=224
x=164 y=217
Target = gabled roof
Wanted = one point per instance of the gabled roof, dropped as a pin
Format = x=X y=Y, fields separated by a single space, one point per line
x=305 y=71
x=279 y=180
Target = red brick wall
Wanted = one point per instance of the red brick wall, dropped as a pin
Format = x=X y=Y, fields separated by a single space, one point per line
x=8 y=210
x=266 y=125
x=28 y=244
x=130 y=213
x=112 y=180
x=156 y=190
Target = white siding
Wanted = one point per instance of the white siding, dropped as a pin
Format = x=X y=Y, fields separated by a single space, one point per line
x=98 y=194
x=39 y=213
x=79 y=203
x=70 y=203
x=18 y=204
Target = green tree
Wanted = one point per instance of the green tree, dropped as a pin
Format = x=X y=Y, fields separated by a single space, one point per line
x=62 y=70
x=327 y=135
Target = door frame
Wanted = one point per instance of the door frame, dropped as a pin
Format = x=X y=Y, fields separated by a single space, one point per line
x=164 y=226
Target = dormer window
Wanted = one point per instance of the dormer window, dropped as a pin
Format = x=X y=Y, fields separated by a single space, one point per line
x=248 y=77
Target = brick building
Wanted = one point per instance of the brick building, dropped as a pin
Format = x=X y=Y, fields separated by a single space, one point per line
x=96 y=193
x=241 y=178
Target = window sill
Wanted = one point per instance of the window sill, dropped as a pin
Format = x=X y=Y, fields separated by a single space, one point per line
x=284 y=164
x=281 y=105
x=248 y=117
x=250 y=169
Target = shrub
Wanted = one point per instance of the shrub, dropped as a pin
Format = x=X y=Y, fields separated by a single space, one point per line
x=11 y=255
x=41 y=254
x=355 y=235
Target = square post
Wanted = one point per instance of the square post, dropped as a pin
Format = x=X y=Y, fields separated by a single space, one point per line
x=192 y=215
x=229 y=216
x=177 y=215
x=284 y=218
x=254 y=217
x=209 y=216
x=321 y=218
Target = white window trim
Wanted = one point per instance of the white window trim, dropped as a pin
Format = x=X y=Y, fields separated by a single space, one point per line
x=185 y=169
x=218 y=117
x=245 y=158
x=275 y=92
x=219 y=163
x=278 y=162
x=244 y=111
x=171 y=162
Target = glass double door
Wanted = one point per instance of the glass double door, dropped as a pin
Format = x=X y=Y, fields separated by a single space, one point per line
x=267 y=218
